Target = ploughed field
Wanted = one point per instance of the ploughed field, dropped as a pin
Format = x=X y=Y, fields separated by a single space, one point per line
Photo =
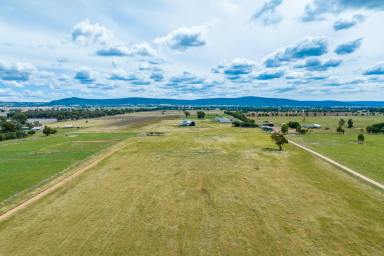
x=205 y=190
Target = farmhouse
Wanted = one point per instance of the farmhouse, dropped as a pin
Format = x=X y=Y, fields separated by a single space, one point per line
x=223 y=120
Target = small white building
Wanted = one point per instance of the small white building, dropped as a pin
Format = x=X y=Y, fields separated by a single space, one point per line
x=67 y=126
x=223 y=120
x=267 y=128
x=37 y=128
x=312 y=126
x=187 y=123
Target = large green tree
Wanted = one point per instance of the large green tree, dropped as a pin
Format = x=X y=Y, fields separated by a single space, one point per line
x=279 y=139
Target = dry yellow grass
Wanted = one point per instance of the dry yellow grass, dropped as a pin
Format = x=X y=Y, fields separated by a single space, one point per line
x=206 y=190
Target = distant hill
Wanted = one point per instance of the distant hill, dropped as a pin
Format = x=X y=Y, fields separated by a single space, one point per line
x=241 y=101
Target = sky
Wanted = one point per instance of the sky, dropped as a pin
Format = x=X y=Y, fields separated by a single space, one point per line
x=297 y=49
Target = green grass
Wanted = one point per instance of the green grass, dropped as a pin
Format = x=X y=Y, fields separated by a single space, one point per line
x=365 y=158
x=360 y=122
x=205 y=190
x=25 y=164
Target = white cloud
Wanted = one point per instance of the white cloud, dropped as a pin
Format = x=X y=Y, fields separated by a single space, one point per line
x=16 y=71
x=184 y=38
x=85 y=33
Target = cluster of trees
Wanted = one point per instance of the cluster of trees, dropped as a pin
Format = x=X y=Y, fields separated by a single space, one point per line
x=77 y=113
x=244 y=120
x=340 y=127
x=200 y=114
x=376 y=128
x=48 y=131
x=12 y=129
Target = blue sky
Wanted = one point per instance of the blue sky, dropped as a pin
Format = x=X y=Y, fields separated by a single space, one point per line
x=300 y=49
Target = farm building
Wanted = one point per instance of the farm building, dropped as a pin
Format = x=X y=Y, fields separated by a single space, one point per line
x=223 y=120
x=312 y=126
x=37 y=128
x=267 y=128
x=266 y=123
x=187 y=123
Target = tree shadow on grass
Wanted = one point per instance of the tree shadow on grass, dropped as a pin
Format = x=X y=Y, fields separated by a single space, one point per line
x=270 y=149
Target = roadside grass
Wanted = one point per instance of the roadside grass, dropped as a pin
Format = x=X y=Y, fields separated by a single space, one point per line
x=205 y=190
x=29 y=163
x=366 y=158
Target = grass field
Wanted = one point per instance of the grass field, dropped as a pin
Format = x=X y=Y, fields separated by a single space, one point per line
x=365 y=158
x=360 y=122
x=26 y=164
x=205 y=190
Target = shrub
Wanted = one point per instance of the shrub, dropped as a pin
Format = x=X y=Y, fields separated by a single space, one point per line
x=360 y=138
x=293 y=124
x=376 y=128
x=200 y=114
x=284 y=128
x=244 y=124
x=48 y=131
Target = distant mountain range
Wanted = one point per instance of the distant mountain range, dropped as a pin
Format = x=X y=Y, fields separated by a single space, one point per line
x=241 y=101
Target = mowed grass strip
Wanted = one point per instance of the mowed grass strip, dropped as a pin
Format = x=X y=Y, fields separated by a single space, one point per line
x=213 y=190
x=26 y=164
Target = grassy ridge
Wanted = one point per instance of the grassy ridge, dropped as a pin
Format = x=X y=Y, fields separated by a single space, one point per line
x=25 y=164
x=206 y=190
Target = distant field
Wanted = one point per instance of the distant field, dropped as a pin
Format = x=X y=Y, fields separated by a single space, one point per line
x=25 y=164
x=366 y=158
x=360 y=122
x=205 y=190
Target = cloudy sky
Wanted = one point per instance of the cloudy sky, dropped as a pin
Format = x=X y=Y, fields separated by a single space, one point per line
x=299 y=49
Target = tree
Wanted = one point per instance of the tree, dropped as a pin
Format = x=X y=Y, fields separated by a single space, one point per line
x=200 y=114
x=48 y=131
x=360 y=138
x=20 y=117
x=186 y=113
x=350 y=123
x=341 y=122
x=284 y=128
x=8 y=126
x=293 y=124
x=340 y=129
x=279 y=139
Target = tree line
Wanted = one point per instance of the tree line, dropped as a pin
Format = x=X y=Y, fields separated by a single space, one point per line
x=244 y=121
x=78 y=113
